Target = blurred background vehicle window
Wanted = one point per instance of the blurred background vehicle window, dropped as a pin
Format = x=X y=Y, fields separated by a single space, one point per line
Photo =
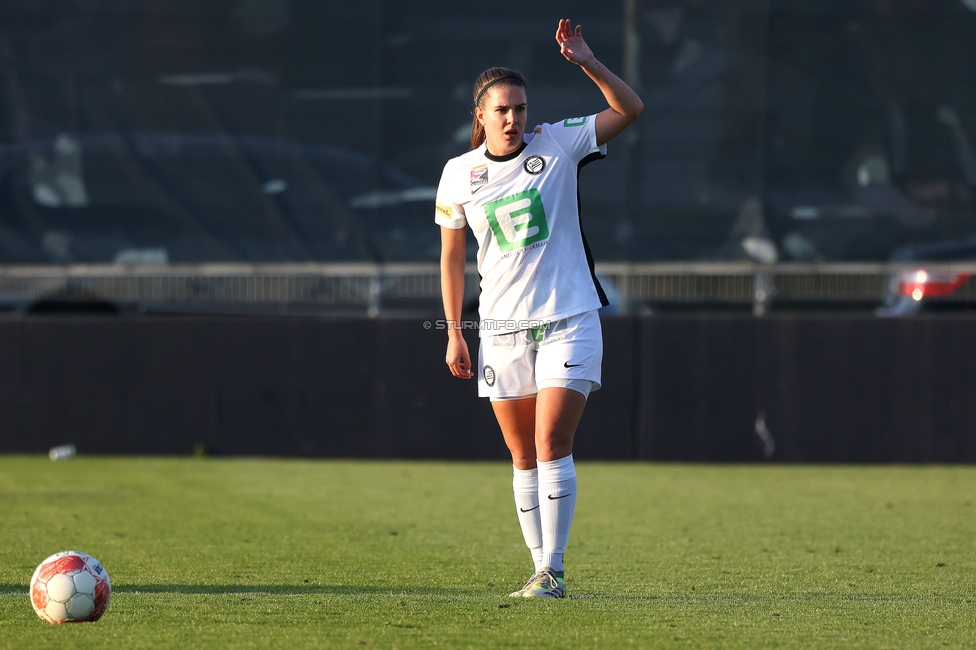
x=297 y=130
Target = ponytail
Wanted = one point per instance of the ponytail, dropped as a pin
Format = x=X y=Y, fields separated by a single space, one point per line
x=501 y=77
x=477 y=132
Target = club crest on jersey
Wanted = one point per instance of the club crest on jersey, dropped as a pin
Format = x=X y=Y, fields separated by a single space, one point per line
x=535 y=164
x=479 y=177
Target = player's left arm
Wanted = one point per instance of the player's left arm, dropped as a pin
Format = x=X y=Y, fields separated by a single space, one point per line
x=625 y=105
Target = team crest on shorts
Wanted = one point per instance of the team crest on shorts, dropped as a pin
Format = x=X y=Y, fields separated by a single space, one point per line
x=479 y=177
x=489 y=375
x=535 y=164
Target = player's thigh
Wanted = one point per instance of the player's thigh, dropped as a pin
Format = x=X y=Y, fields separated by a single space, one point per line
x=516 y=419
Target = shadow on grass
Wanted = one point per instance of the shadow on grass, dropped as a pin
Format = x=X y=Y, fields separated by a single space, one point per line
x=288 y=590
x=268 y=590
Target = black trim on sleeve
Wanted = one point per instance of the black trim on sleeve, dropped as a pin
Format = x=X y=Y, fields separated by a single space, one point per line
x=596 y=155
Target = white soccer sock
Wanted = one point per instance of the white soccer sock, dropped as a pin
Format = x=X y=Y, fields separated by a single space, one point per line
x=557 y=501
x=525 y=484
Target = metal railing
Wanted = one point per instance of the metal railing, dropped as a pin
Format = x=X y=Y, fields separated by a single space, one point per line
x=373 y=287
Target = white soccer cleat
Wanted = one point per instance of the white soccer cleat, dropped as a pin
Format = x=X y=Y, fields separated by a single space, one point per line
x=546 y=585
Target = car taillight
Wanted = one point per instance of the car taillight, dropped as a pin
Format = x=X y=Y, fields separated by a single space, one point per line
x=923 y=284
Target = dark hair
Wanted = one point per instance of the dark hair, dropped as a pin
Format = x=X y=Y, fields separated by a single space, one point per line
x=492 y=77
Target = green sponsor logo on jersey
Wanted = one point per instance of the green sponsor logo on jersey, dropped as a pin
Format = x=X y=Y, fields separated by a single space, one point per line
x=518 y=220
x=574 y=121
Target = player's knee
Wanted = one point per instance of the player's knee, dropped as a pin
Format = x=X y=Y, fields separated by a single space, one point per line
x=553 y=440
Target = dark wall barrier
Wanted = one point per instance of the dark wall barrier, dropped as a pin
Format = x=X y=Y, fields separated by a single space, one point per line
x=237 y=386
x=821 y=389
x=824 y=389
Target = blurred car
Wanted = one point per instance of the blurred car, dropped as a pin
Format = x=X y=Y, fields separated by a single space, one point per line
x=191 y=198
x=912 y=291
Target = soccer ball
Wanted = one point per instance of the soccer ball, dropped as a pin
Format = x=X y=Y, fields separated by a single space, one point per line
x=70 y=587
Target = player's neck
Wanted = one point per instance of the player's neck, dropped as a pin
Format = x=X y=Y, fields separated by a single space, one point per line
x=506 y=156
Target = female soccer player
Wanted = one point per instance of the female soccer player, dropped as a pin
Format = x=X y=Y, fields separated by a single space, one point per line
x=541 y=342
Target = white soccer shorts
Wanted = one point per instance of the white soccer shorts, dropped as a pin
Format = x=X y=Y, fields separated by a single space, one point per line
x=567 y=353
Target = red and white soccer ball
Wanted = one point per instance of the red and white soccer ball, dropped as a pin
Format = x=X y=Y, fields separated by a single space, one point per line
x=70 y=587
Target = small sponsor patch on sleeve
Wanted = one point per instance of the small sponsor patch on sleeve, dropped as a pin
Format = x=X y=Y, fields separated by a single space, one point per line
x=575 y=121
x=442 y=210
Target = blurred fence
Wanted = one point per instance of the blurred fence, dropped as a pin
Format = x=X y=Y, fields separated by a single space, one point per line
x=373 y=290
x=255 y=131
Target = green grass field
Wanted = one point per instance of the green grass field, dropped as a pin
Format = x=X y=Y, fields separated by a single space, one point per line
x=292 y=554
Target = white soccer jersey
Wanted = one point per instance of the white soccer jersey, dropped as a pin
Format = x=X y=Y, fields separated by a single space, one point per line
x=524 y=211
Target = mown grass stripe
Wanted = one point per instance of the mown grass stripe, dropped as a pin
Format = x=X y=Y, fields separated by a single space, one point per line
x=319 y=554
